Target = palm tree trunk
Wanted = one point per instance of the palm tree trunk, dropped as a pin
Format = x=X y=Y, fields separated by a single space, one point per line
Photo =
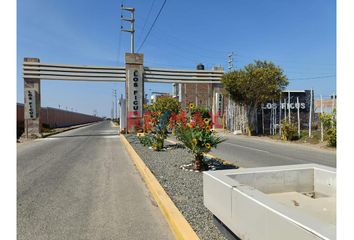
x=198 y=162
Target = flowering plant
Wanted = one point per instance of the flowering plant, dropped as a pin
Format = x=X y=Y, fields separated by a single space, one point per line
x=157 y=118
x=194 y=129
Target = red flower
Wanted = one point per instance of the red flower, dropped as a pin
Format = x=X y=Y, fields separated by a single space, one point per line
x=173 y=119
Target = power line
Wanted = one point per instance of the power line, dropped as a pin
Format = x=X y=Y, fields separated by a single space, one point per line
x=195 y=45
x=164 y=65
x=202 y=56
x=309 y=78
x=147 y=17
x=186 y=50
x=147 y=35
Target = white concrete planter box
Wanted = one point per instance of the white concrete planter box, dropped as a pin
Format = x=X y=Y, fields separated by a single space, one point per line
x=269 y=203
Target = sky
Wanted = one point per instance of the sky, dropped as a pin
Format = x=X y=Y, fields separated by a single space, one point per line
x=298 y=36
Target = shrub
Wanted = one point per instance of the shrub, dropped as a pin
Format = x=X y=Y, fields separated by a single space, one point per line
x=330 y=126
x=150 y=140
x=331 y=137
x=157 y=119
x=193 y=128
x=146 y=140
x=288 y=131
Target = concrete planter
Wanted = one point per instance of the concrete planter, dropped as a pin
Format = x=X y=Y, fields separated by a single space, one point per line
x=283 y=202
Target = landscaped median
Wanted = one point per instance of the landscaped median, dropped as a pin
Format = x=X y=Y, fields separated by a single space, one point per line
x=178 y=193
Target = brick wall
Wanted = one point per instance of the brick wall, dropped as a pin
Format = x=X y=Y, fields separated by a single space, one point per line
x=54 y=117
x=201 y=94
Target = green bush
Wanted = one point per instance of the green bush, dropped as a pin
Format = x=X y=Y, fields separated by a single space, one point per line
x=157 y=119
x=146 y=140
x=288 y=131
x=330 y=126
x=152 y=140
x=193 y=129
x=331 y=137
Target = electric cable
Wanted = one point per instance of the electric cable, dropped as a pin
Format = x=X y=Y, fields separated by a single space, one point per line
x=157 y=16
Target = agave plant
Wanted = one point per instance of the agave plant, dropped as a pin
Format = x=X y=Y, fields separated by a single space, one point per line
x=194 y=129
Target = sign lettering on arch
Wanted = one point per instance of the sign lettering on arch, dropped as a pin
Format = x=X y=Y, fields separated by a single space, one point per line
x=135 y=92
x=30 y=102
x=219 y=104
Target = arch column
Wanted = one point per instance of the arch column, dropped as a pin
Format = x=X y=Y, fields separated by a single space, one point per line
x=134 y=90
x=32 y=104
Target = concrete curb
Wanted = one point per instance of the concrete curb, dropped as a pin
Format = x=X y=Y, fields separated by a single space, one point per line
x=178 y=224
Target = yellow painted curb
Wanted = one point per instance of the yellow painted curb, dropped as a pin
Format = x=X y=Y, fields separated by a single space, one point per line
x=178 y=224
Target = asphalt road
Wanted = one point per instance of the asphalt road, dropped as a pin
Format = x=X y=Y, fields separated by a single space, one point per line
x=81 y=184
x=251 y=152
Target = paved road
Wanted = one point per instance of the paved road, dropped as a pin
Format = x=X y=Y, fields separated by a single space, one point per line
x=81 y=184
x=251 y=152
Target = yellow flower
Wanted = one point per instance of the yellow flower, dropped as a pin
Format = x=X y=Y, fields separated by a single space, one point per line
x=208 y=129
x=207 y=145
x=195 y=141
x=206 y=120
x=191 y=105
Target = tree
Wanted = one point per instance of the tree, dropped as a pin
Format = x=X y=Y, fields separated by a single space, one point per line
x=253 y=85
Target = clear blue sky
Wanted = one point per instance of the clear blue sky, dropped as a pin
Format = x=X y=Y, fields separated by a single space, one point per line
x=299 y=36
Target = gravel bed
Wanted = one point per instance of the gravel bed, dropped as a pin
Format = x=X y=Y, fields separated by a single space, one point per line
x=185 y=188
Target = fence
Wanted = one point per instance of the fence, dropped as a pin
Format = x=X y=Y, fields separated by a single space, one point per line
x=300 y=107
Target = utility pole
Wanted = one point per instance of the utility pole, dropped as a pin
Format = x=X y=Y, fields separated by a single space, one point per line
x=298 y=116
x=115 y=105
x=112 y=111
x=230 y=61
x=289 y=106
x=280 y=123
x=321 y=120
x=310 y=116
x=131 y=20
x=230 y=115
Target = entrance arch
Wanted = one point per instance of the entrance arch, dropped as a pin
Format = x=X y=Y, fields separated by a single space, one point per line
x=134 y=74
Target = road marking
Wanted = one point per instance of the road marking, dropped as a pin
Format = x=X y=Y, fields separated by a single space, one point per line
x=45 y=139
x=112 y=136
x=255 y=149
